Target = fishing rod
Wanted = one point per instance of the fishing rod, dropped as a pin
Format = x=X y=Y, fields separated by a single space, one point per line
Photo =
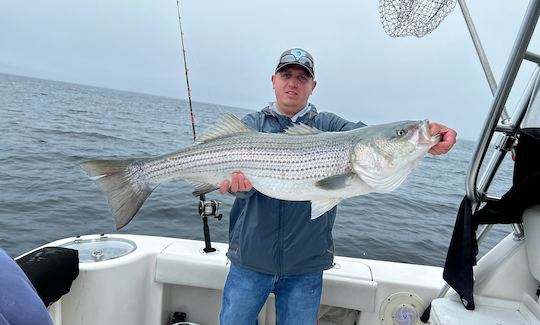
x=206 y=208
x=186 y=71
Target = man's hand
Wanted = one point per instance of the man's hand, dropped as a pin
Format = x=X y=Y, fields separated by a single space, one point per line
x=448 y=138
x=239 y=183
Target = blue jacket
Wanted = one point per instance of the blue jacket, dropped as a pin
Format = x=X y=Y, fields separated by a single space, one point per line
x=19 y=302
x=276 y=236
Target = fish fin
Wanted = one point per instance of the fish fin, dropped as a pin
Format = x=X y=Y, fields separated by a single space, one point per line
x=228 y=125
x=100 y=168
x=389 y=183
x=112 y=178
x=301 y=129
x=202 y=188
x=336 y=182
x=318 y=207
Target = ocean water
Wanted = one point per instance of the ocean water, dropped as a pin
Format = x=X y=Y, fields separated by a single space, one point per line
x=48 y=127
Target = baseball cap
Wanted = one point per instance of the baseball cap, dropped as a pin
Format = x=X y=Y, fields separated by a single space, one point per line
x=299 y=57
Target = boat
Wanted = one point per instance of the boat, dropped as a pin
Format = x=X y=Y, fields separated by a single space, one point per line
x=141 y=280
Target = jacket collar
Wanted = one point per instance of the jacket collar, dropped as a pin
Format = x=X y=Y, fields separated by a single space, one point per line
x=302 y=119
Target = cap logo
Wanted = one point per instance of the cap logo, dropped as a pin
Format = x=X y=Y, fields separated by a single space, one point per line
x=296 y=56
x=298 y=53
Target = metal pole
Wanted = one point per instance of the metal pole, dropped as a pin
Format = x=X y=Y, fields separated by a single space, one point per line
x=533 y=57
x=207 y=242
x=516 y=58
x=518 y=54
x=481 y=54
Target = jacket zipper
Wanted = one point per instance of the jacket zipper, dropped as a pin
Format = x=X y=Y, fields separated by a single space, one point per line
x=280 y=240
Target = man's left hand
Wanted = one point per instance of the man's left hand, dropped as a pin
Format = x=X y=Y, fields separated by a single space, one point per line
x=448 y=138
x=238 y=183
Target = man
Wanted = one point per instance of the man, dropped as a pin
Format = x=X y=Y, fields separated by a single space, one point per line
x=274 y=246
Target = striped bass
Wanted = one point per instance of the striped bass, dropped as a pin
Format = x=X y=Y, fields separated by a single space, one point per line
x=301 y=164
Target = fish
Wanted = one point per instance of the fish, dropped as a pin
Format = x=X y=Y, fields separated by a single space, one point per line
x=300 y=164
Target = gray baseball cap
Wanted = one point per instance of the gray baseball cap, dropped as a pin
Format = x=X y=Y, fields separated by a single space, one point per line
x=299 y=57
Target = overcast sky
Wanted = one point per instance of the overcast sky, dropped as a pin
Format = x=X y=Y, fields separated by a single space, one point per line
x=232 y=49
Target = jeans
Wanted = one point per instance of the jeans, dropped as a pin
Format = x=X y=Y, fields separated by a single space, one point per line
x=245 y=292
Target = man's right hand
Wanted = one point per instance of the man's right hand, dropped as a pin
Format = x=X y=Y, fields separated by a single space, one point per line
x=238 y=183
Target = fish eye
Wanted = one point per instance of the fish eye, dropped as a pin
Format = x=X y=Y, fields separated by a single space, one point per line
x=401 y=132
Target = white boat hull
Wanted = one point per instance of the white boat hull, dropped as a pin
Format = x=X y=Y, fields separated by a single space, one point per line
x=165 y=275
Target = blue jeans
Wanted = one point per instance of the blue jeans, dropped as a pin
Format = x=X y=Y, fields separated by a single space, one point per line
x=245 y=292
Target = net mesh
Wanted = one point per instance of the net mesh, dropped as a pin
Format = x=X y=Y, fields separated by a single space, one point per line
x=413 y=17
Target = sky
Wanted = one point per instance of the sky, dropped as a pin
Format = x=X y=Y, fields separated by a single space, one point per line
x=232 y=48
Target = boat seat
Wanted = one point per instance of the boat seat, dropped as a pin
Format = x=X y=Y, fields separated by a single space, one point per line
x=531 y=226
x=446 y=311
x=349 y=285
x=450 y=311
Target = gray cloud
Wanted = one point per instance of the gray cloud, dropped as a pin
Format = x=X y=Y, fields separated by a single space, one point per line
x=232 y=48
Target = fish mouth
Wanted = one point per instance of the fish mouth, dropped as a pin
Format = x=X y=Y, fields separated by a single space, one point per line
x=424 y=138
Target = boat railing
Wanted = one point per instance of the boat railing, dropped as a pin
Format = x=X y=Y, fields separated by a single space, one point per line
x=477 y=190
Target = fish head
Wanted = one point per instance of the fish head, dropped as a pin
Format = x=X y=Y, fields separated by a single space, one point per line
x=385 y=154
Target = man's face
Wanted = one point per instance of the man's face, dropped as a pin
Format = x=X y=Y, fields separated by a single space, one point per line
x=292 y=85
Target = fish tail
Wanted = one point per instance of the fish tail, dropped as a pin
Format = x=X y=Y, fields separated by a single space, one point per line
x=113 y=178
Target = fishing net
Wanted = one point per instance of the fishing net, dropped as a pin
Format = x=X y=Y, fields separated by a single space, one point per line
x=413 y=17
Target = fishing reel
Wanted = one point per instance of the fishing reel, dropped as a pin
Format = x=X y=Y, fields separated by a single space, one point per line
x=210 y=209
